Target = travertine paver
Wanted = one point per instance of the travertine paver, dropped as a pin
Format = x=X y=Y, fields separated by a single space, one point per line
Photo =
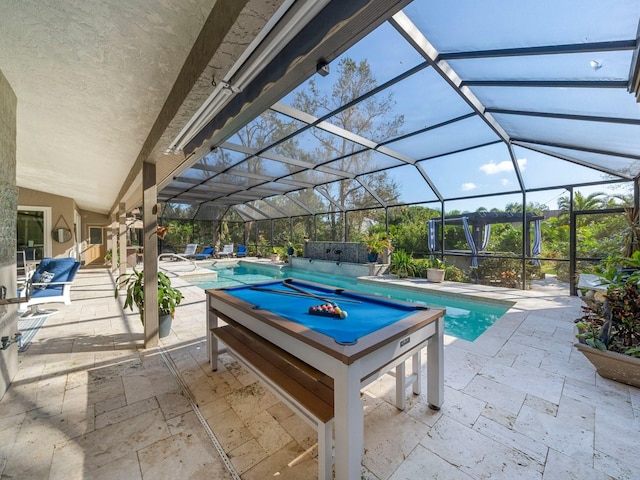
x=520 y=402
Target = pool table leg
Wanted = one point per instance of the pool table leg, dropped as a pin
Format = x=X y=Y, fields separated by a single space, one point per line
x=402 y=381
x=348 y=422
x=212 y=340
x=435 y=367
x=416 y=365
x=401 y=386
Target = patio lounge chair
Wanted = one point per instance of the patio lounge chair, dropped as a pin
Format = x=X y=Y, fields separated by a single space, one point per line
x=242 y=251
x=50 y=283
x=207 y=252
x=227 y=251
x=190 y=250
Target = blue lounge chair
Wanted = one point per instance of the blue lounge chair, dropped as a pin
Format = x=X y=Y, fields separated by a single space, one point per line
x=50 y=283
x=207 y=252
x=242 y=251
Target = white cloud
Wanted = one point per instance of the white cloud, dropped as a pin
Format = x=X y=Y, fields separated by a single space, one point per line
x=469 y=186
x=504 y=182
x=492 y=168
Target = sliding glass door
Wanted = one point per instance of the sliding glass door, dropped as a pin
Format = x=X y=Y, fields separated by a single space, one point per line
x=33 y=226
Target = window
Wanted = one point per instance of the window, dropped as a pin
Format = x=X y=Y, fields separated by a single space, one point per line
x=95 y=236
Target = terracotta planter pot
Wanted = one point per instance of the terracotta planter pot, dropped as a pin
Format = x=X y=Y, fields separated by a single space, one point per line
x=612 y=365
x=435 y=275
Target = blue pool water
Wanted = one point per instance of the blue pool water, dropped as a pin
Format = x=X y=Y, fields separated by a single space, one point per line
x=464 y=319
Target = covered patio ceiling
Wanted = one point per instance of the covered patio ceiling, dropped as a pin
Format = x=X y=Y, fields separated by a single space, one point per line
x=462 y=100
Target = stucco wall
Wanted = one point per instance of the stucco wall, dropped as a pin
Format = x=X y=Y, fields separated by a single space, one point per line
x=8 y=216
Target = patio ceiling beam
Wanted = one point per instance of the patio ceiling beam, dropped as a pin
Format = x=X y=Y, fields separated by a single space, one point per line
x=634 y=70
x=322 y=190
x=265 y=191
x=519 y=140
x=269 y=203
x=517 y=171
x=249 y=205
x=427 y=179
x=397 y=155
x=372 y=192
x=322 y=124
x=594 y=47
x=414 y=36
x=430 y=128
x=567 y=116
x=300 y=204
x=207 y=168
x=547 y=83
x=460 y=150
x=249 y=151
x=244 y=214
x=295 y=183
x=255 y=176
x=582 y=163
x=335 y=171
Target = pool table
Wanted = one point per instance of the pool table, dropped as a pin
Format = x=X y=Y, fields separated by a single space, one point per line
x=375 y=336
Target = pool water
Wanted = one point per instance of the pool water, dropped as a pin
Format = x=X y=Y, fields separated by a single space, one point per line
x=465 y=319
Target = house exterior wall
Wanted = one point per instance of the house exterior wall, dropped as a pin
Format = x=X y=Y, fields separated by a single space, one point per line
x=8 y=218
x=62 y=214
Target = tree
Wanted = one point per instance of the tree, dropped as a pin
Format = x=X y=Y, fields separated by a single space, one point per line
x=372 y=118
x=593 y=201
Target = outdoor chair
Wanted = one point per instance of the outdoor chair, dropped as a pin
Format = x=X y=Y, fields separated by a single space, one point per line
x=50 y=283
x=190 y=250
x=22 y=268
x=242 y=251
x=227 y=251
x=207 y=252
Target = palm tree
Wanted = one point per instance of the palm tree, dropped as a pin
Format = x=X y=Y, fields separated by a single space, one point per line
x=594 y=201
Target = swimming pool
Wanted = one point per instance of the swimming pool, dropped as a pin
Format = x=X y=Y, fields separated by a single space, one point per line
x=465 y=319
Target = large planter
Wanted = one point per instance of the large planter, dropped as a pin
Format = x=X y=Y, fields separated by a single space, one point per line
x=164 y=327
x=435 y=274
x=372 y=257
x=612 y=365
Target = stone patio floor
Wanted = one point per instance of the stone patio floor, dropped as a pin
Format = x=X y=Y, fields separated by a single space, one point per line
x=89 y=402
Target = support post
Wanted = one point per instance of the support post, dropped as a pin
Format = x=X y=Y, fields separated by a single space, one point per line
x=150 y=221
x=121 y=258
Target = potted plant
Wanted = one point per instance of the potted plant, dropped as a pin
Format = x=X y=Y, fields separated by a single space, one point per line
x=609 y=330
x=435 y=270
x=402 y=264
x=375 y=243
x=168 y=297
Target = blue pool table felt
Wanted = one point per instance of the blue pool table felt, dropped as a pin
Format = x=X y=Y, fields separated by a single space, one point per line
x=366 y=313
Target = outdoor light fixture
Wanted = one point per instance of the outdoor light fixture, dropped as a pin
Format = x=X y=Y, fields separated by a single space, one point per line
x=281 y=28
x=322 y=68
